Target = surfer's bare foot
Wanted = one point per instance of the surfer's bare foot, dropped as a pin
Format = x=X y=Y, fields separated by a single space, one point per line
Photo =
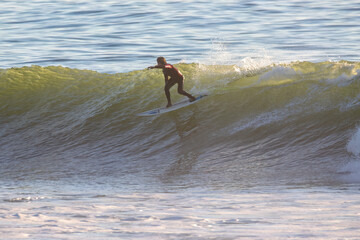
x=168 y=105
x=192 y=99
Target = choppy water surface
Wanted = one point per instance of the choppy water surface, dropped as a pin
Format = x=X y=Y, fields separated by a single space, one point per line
x=273 y=151
x=296 y=214
x=118 y=36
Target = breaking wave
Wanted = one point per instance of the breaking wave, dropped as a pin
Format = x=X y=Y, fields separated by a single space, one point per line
x=285 y=124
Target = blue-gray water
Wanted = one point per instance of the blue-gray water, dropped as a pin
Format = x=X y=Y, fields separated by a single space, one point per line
x=119 y=36
x=272 y=152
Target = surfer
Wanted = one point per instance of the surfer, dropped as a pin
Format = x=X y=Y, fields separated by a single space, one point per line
x=175 y=78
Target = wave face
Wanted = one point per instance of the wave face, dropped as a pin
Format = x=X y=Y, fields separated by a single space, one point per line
x=294 y=123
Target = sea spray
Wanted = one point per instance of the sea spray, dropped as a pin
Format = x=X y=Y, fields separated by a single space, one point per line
x=354 y=144
x=352 y=167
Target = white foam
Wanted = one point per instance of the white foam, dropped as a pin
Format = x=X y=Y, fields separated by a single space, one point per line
x=267 y=213
x=24 y=199
x=352 y=168
x=254 y=63
x=354 y=144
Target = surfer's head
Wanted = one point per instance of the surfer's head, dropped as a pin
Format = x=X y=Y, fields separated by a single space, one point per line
x=161 y=60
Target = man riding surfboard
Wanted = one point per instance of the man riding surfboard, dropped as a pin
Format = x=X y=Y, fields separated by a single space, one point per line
x=175 y=78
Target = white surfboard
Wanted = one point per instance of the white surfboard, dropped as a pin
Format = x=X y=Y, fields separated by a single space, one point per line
x=174 y=107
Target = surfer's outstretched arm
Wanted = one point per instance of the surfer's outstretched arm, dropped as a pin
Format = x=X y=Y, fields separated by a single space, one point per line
x=156 y=66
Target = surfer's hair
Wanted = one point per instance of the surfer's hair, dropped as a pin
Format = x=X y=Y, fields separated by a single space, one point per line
x=161 y=60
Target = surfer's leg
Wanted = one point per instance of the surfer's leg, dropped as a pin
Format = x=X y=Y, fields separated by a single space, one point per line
x=168 y=85
x=183 y=92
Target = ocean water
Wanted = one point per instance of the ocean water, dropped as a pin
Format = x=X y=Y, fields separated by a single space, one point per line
x=273 y=151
